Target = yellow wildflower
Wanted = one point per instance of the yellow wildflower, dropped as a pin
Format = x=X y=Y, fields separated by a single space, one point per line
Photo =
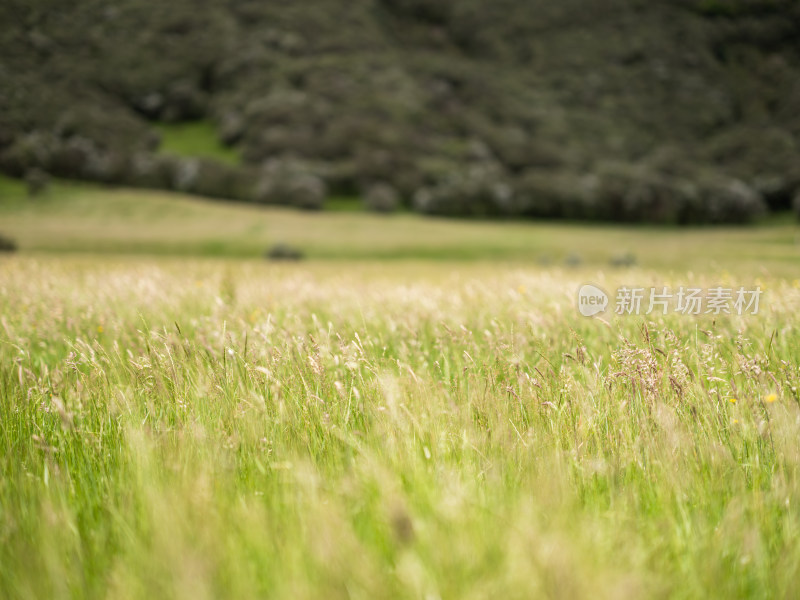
x=771 y=398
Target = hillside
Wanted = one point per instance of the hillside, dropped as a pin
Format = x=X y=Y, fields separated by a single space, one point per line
x=671 y=111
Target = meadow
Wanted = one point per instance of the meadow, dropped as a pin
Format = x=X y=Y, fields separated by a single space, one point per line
x=416 y=411
x=80 y=218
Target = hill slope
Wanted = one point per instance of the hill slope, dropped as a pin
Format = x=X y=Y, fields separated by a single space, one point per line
x=609 y=109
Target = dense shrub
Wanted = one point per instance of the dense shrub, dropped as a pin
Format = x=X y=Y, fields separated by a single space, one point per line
x=404 y=169
x=549 y=194
x=477 y=191
x=764 y=157
x=150 y=171
x=519 y=150
x=185 y=174
x=434 y=12
x=107 y=166
x=37 y=180
x=217 y=180
x=290 y=183
x=624 y=194
x=34 y=150
x=71 y=157
x=628 y=194
x=231 y=127
x=382 y=198
x=777 y=190
x=183 y=101
x=100 y=120
x=726 y=201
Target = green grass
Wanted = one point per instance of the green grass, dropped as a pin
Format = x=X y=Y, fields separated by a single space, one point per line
x=217 y=428
x=12 y=192
x=81 y=218
x=196 y=139
x=416 y=411
x=344 y=204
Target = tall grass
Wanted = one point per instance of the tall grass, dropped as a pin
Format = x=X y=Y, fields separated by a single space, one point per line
x=208 y=429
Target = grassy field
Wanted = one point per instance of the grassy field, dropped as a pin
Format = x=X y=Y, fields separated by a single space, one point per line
x=79 y=218
x=221 y=426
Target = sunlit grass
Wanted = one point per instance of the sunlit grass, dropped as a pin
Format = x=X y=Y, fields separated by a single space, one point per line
x=236 y=429
x=11 y=189
x=196 y=139
x=437 y=423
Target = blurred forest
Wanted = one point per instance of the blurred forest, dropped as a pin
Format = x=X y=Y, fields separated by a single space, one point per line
x=672 y=111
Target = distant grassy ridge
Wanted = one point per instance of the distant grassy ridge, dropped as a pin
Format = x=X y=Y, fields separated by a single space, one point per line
x=81 y=218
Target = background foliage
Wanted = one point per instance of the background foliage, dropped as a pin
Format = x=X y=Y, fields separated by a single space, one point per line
x=669 y=111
